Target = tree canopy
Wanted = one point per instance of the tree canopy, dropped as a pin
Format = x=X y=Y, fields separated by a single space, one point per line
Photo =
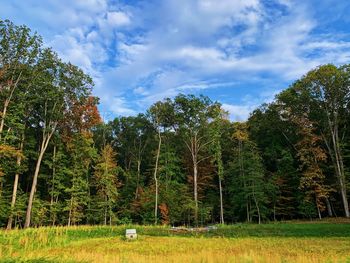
x=182 y=162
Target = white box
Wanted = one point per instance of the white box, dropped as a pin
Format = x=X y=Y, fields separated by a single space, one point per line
x=131 y=234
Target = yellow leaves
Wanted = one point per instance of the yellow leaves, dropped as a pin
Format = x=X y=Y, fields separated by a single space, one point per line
x=9 y=151
x=311 y=154
x=241 y=131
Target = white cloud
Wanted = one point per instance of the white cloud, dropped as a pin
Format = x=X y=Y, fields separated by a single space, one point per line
x=332 y=45
x=241 y=111
x=141 y=91
x=156 y=49
x=199 y=54
x=90 y=5
x=238 y=112
x=119 y=107
x=116 y=19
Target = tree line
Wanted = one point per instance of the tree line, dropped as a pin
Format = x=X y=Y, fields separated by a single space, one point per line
x=182 y=162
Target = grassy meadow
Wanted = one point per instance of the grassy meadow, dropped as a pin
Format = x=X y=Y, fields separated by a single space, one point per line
x=280 y=242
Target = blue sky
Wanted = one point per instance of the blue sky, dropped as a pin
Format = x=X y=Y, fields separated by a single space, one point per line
x=239 y=52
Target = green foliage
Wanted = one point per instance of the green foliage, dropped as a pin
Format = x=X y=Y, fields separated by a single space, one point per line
x=248 y=186
x=106 y=181
x=289 y=160
x=82 y=154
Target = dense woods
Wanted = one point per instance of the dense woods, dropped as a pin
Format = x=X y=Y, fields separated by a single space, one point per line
x=181 y=162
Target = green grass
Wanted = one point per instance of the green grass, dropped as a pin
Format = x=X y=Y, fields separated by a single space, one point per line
x=327 y=242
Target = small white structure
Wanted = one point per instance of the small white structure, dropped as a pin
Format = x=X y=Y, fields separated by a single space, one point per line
x=130 y=234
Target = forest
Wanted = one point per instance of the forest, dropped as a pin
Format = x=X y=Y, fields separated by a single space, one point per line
x=182 y=162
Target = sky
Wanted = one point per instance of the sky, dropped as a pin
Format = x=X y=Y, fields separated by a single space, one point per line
x=238 y=52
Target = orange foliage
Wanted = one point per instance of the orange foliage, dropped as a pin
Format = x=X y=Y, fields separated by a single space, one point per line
x=311 y=155
x=164 y=212
x=82 y=116
x=85 y=115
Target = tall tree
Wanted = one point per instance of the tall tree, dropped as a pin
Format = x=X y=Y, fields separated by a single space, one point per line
x=62 y=84
x=19 y=50
x=105 y=174
x=250 y=187
x=192 y=115
x=216 y=133
x=311 y=156
x=82 y=154
x=326 y=92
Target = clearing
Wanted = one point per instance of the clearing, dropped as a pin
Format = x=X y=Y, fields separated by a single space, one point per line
x=279 y=242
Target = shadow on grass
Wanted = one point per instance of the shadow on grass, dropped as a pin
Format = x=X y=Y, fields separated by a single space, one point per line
x=36 y=260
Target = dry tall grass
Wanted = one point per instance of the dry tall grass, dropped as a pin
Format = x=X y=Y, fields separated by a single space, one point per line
x=238 y=243
x=185 y=249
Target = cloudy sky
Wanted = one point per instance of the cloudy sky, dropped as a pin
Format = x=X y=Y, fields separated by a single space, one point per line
x=239 y=52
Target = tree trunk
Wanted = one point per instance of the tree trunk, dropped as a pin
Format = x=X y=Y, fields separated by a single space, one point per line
x=110 y=214
x=6 y=104
x=329 y=208
x=318 y=209
x=15 y=186
x=248 y=210
x=340 y=170
x=105 y=217
x=2 y=123
x=257 y=207
x=70 y=211
x=221 y=203
x=138 y=178
x=195 y=188
x=53 y=183
x=337 y=159
x=33 y=190
x=155 y=178
x=44 y=144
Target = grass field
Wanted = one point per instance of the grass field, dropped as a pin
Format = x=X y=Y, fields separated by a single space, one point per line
x=282 y=242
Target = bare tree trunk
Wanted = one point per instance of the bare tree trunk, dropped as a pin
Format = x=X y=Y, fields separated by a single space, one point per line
x=257 y=207
x=342 y=181
x=156 y=179
x=110 y=214
x=340 y=171
x=7 y=103
x=319 y=212
x=138 y=178
x=194 y=149
x=15 y=186
x=105 y=217
x=248 y=211
x=3 y=115
x=44 y=144
x=195 y=188
x=337 y=159
x=70 y=211
x=53 y=183
x=318 y=209
x=329 y=208
x=221 y=203
x=33 y=190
